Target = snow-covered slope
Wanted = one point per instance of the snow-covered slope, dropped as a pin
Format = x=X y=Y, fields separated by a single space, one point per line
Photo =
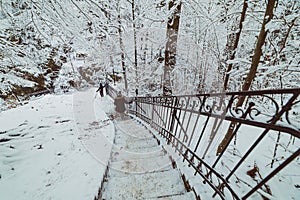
x=55 y=147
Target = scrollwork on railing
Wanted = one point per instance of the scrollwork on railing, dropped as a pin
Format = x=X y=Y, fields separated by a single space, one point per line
x=291 y=116
x=224 y=105
x=182 y=102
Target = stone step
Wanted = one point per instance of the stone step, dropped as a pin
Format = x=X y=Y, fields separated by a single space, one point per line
x=184 y=196
x=119 y=154
x=132 y=128
x=133 y=144
x=141 y=165
x=144 y=186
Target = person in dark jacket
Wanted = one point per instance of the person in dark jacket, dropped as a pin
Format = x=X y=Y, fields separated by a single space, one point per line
x=120 y=104
x=100 y=90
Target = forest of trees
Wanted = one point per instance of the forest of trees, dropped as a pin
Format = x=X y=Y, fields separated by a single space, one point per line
x=158 y=47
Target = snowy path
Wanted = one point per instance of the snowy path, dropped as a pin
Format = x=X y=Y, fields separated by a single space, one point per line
x=140 y=168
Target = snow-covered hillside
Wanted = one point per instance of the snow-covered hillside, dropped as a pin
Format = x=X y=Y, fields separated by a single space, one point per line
x=39 y=41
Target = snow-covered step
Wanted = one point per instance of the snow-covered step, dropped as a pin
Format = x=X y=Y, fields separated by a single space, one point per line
x=123 y=154
x=184 y=196
x=145 y=165
x=144 y=186
x=131 y=137
x=135 y=144
x=140 y=168
x=132 y=128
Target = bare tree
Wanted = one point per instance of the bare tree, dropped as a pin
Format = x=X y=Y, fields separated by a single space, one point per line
x=135 y=44
x=236 y=38
x=122 y=48
x=171 y=45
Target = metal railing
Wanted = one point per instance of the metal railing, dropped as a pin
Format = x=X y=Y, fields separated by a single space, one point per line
x=112 y=92
x=236 y=150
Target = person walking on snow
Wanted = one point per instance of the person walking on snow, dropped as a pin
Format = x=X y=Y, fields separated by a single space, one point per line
x=120 y=104
x=100 y=90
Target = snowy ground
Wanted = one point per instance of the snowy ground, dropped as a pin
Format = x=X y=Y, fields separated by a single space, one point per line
x=55 y=147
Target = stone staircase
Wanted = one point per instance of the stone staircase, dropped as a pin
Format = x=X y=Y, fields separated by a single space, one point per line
x=140 y=168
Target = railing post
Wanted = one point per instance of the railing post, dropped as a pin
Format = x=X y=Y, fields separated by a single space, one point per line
x=136 y=106
x=152 y=112
x=174 y=115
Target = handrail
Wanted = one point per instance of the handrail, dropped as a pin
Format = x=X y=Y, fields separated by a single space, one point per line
x=112 y=92
x=196 y=127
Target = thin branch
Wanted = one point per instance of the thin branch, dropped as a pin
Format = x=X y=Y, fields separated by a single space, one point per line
x=38 y=28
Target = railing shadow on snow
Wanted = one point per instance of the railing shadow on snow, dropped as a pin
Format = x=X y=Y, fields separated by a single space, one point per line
x=238 y=151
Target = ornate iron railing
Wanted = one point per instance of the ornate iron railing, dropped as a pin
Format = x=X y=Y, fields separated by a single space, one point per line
x=236 y=150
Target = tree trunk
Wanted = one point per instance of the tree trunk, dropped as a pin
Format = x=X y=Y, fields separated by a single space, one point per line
x=232 y=49
x=135 y=44
x=171 y=45
x=258 y=49
x=122 y=51
x=251 y=75
x=146 y=48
